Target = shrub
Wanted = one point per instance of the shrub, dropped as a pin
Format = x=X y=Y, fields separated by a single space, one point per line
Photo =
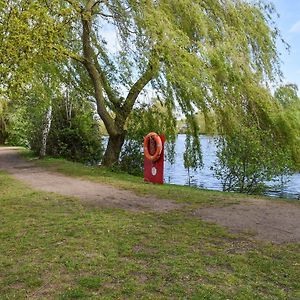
x=132 y=158
x=75 y=138
x=248 y=158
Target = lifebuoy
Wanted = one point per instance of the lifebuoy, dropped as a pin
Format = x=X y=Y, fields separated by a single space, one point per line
x=157 y=139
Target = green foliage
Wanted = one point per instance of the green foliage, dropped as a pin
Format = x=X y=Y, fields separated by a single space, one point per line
x=192 y=156
x=287 y=121
x=155 y=117
x=28 y=32
x=207 y=62
x=205 y=57
x=13 y=127
x=132 y=158
x=77 y=138
x=287 y=95
x=254 y=150
x=248 y=158
x=74 y=134
x=205 y=123
x=19 y=129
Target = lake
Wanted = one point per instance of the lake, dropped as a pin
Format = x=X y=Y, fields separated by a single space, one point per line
x=204 y=178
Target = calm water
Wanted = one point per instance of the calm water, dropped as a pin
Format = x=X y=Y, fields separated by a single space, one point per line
x=205 y=179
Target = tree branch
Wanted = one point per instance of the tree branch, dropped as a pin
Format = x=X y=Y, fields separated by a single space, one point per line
x=90 y=5
x=68 y=53
x=111 y=94
x=136 y=89
x=76 y=5
x=106 y=85
x=96 y=3
x=95 y=76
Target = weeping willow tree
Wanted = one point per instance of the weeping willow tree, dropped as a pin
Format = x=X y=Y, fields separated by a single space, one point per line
x=208 y=56
x=288 y=120
x=196 y=55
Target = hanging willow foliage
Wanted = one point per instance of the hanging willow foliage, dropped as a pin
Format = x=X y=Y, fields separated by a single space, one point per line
x=210 y=56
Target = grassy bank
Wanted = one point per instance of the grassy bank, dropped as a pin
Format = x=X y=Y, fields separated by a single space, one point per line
x=182 y=194
x=55 y=247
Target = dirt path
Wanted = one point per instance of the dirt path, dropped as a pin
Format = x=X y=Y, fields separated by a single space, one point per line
x=93 y=193
x=274 y=221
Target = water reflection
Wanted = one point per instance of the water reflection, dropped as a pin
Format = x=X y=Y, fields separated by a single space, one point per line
x=204 y=178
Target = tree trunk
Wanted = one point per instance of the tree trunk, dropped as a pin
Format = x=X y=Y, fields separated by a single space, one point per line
x=46 y=129
x=113 y=149
x=104 y=93
x=2 y=138
x=3 y=132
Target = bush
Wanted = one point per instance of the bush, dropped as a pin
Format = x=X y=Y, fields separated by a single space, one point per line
x=77 y=138
x=248 y=158
x=18 y=130
x=132 y=157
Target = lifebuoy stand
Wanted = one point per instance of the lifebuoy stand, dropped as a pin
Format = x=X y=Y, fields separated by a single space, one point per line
x=154 y=158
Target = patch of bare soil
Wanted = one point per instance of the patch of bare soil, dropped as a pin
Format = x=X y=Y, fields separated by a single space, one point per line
x=90 y=192
x=274 y=221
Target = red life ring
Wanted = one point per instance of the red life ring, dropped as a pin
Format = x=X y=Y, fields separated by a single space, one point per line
x=157 y=139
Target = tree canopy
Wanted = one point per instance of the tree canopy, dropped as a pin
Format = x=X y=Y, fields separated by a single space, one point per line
x=196 y=55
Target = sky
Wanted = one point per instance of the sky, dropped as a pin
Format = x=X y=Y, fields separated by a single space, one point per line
x=289 y=25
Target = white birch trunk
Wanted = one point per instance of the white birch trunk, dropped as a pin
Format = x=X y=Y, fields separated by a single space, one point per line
x=46 y=129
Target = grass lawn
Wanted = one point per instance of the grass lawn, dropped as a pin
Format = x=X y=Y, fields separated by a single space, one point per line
x=55 y=247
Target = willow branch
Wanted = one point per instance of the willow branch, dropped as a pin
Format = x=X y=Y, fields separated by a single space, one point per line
x=75 y=5
x=94 y=74
x=136 y=89
x=69 y=54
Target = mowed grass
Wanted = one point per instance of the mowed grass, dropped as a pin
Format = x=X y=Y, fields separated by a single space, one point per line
x=55 y=247
x=182 y=194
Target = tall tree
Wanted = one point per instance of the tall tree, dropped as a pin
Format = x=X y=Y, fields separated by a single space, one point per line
x=197 y=55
